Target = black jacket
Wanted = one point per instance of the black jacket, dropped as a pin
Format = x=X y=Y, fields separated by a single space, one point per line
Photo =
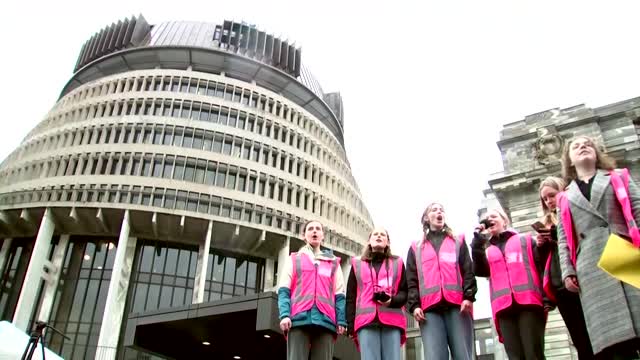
x=469 y=285
x=397 y=301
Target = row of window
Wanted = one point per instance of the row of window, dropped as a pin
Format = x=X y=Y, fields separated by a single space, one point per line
x=172 y=199
x=211 y=113
x=180 y=168
x=204 y=87
x=159 y=134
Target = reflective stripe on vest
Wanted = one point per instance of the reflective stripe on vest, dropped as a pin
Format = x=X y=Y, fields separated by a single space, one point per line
x=547 y=284
x=448 y=285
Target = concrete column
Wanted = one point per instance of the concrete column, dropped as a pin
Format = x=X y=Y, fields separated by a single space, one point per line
x=51 y=283
x=285 y=197
x=283 y=255
x=117 y=295
x=31 y=284
x=201 y=268
x=269 y=280
x=4 y=252
x=294 y=195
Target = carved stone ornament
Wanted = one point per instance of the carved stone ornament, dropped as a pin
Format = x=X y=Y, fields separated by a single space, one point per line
x=548 y=145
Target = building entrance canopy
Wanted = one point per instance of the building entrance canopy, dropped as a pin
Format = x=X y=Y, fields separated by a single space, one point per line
x=244 y=328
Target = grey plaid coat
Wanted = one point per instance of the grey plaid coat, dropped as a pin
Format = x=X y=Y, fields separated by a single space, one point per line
x=611 y=308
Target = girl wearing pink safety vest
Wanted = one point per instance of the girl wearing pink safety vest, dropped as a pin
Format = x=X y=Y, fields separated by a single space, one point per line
x=376 y=293
x=311 y=298
x=442 y=288
x=547 y=241
x=590 y=211
x=513 y=266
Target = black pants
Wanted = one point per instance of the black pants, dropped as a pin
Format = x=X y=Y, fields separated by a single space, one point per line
x=627 y=350
x=522 y=329
x=309 y=342
x=571 y=311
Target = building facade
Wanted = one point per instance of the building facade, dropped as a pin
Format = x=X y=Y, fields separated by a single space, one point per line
x=531 y=150
x=150 y=210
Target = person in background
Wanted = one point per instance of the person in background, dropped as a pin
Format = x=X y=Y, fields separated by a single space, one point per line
x=311 y=298
x=589 y=212
x=513 y=265
x=376 y=293
x=547 y=240
x=442 y=288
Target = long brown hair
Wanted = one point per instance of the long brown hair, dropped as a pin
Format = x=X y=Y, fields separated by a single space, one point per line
x=425 y=222
x=367 y=252
x=603 y=161
x=549 y=217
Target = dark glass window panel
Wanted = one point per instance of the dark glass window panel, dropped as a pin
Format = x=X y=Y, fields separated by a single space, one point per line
x=208 y=141
x=242 y=179
x=157 y=137
x=231 y=181
x=200 y=172
x=168 y=136
x=229 y=271
x=252 y=185
x=157 y=167
x=153 y=297
x=183 y=263
x=178 y=296
x=198 y=141
x=226 y=149
x=168 y=167
x=177 y=140
x=181 y=200
x=146 y=167
x=188 y=138
x=252 y=274
x=217 y=144
x=169 y=199
x=189 y=172
x=221 y=176
x=179 y=169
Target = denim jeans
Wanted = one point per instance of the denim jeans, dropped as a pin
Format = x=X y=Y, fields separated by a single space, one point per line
x=446 y=330
x=379 y=343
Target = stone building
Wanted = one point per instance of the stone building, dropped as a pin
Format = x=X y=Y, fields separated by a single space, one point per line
x=531 y=150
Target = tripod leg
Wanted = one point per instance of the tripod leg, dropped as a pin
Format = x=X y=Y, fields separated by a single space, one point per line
x=42 y=344
x=28 y=351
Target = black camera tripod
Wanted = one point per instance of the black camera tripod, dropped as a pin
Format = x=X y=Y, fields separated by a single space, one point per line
x=37 y=337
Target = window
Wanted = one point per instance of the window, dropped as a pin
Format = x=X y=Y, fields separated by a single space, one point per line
x=169 y=162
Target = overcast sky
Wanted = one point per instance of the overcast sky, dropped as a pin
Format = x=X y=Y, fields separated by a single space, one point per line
x=426 y=85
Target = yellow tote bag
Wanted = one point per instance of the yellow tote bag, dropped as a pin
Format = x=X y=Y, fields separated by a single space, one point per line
x=621 y=260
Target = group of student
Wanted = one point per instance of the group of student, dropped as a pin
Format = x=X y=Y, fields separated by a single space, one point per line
x=529 y=275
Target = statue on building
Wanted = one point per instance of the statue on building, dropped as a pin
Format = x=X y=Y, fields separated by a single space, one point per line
x=548 y=145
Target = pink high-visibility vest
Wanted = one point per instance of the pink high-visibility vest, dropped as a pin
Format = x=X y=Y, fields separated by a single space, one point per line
x=620 y=186
x=513 y=276
x=547 y=285
x=387 y=279
x=313 y=285
x=439 y=273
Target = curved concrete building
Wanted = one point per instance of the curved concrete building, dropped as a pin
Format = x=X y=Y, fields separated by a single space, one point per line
x=150 y=209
